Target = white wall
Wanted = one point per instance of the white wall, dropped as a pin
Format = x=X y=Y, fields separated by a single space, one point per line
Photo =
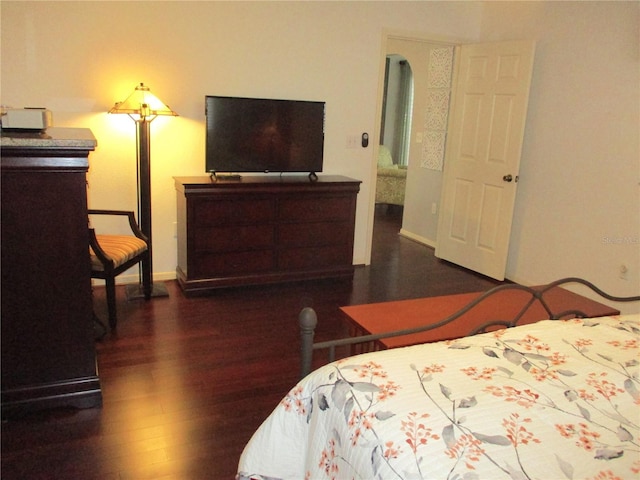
x=578 y=206
x=78 y=58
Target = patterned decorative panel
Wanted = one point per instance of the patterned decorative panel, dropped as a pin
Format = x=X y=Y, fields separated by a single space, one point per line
x=433 y=149
x=437 y=107
x=437 y=110
x=440 y=66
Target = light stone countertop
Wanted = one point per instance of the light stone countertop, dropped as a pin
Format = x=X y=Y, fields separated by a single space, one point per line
x=51 y=138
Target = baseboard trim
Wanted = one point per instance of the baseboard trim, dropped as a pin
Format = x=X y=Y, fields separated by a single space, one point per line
x=128 y=279
x=417 y=238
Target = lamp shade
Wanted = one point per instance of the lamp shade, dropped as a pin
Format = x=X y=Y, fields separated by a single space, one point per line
x=143 y=103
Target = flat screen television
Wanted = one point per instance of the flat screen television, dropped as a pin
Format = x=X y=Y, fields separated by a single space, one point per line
x=263 y=135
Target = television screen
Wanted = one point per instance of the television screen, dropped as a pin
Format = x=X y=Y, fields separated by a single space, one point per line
x=263 y=135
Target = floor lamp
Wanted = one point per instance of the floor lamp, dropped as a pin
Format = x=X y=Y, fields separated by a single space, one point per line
x=143 y=107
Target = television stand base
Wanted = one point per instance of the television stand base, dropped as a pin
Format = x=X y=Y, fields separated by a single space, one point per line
x=226 y=176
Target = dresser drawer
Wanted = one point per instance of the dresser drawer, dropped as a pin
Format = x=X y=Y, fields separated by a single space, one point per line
x=263 y=230
x=315 y=234
x=234 y=238
x=310 y=208
x=233 y=264
x=316 y=258
x=234 y=210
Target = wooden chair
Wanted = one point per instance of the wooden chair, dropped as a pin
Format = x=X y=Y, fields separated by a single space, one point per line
x=113 y=254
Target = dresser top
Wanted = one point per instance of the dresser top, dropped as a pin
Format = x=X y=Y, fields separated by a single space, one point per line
x=51 y=138
x=248 y=179
x=265 y=184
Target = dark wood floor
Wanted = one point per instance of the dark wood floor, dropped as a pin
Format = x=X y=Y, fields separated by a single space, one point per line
x=186 y=381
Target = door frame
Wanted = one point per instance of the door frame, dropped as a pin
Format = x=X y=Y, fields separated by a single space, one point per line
x=400 y=35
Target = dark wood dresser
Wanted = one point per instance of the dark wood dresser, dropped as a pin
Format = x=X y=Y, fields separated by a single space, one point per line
x=264 y=229
x=48 y=345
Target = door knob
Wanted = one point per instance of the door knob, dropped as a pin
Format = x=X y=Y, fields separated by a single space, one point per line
x=507 y=178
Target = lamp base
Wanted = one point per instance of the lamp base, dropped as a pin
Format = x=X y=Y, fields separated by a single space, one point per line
x=135 y=292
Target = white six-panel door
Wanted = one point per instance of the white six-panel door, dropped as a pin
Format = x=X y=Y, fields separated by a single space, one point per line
x=483 y=155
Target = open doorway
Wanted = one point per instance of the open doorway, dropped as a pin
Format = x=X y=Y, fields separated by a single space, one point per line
x=395 y=138
x=431 y=64
x=498 y=64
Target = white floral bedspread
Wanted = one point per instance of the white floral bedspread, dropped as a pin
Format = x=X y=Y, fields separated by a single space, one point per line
x=552 y=400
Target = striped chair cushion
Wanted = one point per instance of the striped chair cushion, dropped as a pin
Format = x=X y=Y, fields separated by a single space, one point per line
x=120 y=248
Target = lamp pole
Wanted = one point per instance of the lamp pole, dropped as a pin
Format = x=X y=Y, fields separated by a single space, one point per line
x=144 y=178
x=144 y=206
x=142 y=106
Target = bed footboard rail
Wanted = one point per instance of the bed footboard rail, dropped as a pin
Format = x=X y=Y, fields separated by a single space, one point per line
x=308 y=319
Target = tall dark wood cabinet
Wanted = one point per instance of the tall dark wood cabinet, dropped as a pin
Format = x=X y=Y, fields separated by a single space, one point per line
x=48 y=345
x=264 y=229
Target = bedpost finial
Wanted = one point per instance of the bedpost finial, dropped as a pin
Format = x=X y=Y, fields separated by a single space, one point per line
x=308 y=319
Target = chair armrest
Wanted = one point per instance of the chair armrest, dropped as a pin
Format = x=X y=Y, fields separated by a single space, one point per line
x=135 y=229
x=97 y=249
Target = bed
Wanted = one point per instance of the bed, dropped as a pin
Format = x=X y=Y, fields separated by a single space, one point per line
x=555 y=399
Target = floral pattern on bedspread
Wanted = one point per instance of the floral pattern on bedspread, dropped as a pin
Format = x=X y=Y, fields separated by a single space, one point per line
x=552 y=400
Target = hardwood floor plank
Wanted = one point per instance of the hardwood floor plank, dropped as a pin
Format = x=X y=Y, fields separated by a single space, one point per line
x=186 y=381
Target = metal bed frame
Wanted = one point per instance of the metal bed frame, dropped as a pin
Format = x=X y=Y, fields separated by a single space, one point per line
x=308 y=319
